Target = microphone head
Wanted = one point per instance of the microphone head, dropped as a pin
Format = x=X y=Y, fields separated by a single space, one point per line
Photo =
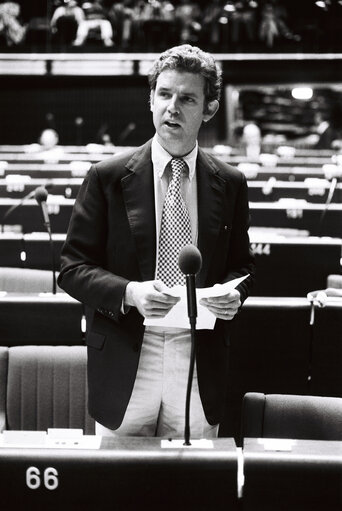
x=190 y=260
x=40 y=194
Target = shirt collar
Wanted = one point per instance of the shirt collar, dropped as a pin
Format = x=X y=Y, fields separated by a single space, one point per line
x=160 y=158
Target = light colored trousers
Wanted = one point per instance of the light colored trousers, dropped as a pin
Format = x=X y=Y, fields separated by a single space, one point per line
x=157 y=404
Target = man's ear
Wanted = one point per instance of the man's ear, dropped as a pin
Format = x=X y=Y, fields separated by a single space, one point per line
x=210 y=110
x=151 y=100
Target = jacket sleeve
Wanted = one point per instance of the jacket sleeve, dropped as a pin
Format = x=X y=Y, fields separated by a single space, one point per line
x=83 y=272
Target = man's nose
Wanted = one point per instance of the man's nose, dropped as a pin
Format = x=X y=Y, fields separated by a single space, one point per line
x=173 y=106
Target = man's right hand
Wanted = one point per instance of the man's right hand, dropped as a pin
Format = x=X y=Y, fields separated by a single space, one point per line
x=150 y=298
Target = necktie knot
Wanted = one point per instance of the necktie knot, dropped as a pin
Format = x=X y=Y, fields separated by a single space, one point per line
x=177 y=167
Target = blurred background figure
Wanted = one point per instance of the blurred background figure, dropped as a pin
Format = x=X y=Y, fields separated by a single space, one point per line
x=158 y=24
x=121 y=15
x=273 y=23
x=66 y=20
x=11 y=30
x=188 y=18
x=243 y=21
x=329 y=129
x=48 y=139
x=211 y=23
x=96 y=19
x=251 y=140
x=47 y=147
x=326 y=131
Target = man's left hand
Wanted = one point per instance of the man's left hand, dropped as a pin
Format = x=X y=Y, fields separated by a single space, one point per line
x=223 y=307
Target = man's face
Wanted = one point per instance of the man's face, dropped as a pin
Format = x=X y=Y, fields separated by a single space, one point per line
x=178 y=104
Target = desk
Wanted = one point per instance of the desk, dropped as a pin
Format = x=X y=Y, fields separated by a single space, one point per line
x=291 y=214
x=293 y=266
x=46 y=170
x=275 y=351
x=39 y=169
x=315 y=190
x=327 y=350
x=286 y=266
x=29 y=214
x=16 y=189
x=40 y=319
x=259 y=191
x=30 y=250
x=269 y=352
x=125 y=475
x=306 y=478
x=298 y=215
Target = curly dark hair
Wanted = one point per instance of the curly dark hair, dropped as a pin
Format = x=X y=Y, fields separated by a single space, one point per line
x=192 y=60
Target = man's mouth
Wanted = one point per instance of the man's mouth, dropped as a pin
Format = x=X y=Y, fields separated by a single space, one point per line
x=172 y=125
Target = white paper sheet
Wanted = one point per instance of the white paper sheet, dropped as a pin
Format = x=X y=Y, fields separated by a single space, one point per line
x=178 y=315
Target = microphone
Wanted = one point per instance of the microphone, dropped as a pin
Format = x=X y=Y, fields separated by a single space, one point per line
x=23 y=200
x=41 y=194
x=190 y=263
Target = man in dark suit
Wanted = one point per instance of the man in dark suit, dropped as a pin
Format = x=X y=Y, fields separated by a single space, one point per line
x=114 y=260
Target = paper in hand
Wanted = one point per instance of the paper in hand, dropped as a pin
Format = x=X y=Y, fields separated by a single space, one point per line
x=178 y=315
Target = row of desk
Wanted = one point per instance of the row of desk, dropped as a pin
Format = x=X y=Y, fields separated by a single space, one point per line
x=95 y=152
x=311 y=189
x=252 y=171
x=280 y=149
x=129 y=474
x=274 y=349
x=285 y=213
x=286 y=265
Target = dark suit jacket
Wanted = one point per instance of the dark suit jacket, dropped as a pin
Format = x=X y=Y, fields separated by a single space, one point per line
x=111 y=240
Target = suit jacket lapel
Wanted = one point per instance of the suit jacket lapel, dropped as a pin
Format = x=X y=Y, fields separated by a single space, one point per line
x=138 y=193
x=210 y=193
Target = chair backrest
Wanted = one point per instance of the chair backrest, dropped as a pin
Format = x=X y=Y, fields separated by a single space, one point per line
x=26 y=280
x=47 y=388
x=291 y=416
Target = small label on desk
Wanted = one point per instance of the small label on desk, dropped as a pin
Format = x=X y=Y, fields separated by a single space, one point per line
x=40 y=440
x=179 y=444
x=23 y=438
x=277 y=444
x=64 y=433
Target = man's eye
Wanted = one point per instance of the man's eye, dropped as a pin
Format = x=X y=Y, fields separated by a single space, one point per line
x=187 y=99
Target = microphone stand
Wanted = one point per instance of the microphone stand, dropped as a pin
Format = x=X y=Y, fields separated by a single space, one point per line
x=191 y=295
x=53 y=261
x=41 y=195
x=331 y=192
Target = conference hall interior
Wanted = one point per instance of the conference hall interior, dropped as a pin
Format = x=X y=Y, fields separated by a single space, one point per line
x=74 y=91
